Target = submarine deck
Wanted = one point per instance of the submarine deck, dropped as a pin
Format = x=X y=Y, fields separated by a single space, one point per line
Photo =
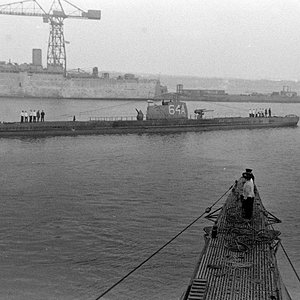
x=240 y=263
x=145 y=126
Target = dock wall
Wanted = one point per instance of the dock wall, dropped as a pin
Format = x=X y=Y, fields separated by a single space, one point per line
x=45 y=85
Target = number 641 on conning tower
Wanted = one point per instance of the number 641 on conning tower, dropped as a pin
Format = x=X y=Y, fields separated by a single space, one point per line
x=169 y=109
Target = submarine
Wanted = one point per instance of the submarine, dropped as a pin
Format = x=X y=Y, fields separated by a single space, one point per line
x=165 y=117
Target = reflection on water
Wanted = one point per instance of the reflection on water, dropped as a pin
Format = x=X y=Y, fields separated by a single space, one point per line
x=78 y=213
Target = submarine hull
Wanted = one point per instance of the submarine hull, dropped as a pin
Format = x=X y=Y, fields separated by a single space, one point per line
x=143 y=126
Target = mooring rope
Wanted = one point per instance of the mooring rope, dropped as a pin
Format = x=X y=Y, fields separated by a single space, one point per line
x=289 y=260
x=162 y=247
x=208 y=209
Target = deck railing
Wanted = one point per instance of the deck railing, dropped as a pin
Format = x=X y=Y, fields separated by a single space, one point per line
x=133 y=118
x=122 y=118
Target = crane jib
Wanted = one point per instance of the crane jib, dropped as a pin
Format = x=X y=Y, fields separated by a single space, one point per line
x=56 y=57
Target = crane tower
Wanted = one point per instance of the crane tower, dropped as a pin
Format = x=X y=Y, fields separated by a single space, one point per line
x=56 y=53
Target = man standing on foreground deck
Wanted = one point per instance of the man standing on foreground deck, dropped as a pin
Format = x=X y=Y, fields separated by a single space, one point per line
x=248 y=197
x=249 y=171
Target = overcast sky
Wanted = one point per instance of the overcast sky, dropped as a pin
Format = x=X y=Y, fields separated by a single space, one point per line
x=208 y=38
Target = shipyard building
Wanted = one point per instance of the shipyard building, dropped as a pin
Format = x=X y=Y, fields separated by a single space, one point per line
x=32 y=80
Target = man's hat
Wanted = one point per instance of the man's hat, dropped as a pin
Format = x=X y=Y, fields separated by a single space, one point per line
x=248 y=170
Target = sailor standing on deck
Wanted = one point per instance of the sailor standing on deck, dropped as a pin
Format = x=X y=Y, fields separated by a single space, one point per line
x=34 y=116
x=38 y=116
x=30 y=116
x=42 y=116
x=22 y=116
x=248 y=196
x=26 y=116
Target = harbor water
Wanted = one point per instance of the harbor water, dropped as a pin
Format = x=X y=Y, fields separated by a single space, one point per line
x=79 y=213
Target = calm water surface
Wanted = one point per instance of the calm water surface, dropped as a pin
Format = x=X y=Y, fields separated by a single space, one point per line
x=78 y=213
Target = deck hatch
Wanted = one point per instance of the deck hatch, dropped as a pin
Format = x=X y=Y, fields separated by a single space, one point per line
x=198 y=289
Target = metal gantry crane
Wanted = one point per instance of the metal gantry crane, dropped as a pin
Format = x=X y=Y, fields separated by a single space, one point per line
x=56 y=53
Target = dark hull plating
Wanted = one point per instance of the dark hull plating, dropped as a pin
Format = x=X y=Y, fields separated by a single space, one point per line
x=146 y=126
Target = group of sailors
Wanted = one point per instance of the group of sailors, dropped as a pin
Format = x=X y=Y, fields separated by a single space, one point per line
x=32 y=116
x=255 y=113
